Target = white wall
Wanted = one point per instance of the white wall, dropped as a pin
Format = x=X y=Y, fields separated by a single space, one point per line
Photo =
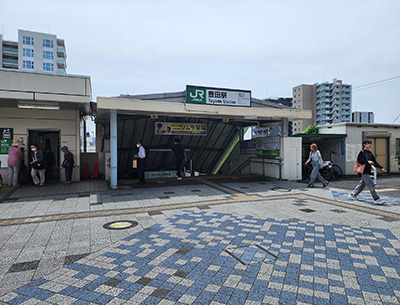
x=354 y=139
x=291 y=154
x=65 y=121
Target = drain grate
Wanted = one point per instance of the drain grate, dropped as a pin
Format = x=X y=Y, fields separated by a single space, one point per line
x=251 y=254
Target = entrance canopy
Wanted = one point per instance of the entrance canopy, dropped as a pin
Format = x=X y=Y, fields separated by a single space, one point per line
x=173 y=104
x=35 y=90
x=135 y=118
x=318 y=137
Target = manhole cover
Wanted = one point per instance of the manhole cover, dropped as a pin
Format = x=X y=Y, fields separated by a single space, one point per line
x=280 y=189
x=120 y=225
x=251 y=254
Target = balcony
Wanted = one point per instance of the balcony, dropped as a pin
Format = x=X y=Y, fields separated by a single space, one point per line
x=10 y=61
x=345 y=107
x=346 y=95
x=60 y=60
x=323 y=88
x=13 y=51
x=61 y=51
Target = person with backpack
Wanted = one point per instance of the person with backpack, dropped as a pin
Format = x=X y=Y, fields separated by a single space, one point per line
x=365 y=159
x=38 y=166
x=179 y=155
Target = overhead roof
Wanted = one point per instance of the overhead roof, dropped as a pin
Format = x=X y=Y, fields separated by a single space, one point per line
x=70 y=92
x=173 y=104
x=316 y=137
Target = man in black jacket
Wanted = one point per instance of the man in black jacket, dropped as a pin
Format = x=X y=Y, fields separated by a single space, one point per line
x=367 y=158
x=179 y=155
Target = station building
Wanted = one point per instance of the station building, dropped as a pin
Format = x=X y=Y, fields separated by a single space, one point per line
x=209 y=122
x=45 y=109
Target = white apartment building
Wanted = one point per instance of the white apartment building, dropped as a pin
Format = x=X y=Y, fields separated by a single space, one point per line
x=38 y=52
x=329 y=102
x=333 y=103
x=363 y=117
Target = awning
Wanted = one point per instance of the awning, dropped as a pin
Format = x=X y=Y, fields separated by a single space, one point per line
x=316 y=137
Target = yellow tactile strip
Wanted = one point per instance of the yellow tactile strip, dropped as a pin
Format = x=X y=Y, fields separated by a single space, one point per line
x=237 y=197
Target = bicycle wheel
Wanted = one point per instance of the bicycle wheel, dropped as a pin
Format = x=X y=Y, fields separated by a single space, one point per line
x=325 y=173
x=336 y=172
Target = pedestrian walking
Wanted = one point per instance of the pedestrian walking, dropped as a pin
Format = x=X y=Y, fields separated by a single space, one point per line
x=141 y=162
x=316 y=162
x=366 y=158
x=38 y=166
x=179 y=155
x=68 y=164
x=15 y=156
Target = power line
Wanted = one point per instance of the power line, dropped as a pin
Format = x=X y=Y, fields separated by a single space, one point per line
x=377 y=83
x=396 y=118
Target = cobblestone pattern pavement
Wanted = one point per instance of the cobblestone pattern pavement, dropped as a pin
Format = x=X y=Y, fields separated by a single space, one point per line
x=31 y=251
x=183 y=261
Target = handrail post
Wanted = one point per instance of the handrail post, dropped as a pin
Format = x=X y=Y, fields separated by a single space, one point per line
x=375 y=173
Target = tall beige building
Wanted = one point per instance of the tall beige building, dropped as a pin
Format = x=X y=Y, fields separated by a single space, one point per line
x=38 y=52
x=304 y=98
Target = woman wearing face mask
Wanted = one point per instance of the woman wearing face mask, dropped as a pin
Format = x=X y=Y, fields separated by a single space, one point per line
x=38 y=165
x=141 y=162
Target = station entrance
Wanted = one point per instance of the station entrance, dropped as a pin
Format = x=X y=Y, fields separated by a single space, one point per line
x=210 y=134
x=205 y=141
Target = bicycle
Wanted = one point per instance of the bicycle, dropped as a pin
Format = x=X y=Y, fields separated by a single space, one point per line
x=336 y=171
x=324 y=171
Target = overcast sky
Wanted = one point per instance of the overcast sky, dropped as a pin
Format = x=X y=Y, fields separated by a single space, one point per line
x=267 y=47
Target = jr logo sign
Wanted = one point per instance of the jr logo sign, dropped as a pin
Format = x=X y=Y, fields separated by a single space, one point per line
x=196 y=95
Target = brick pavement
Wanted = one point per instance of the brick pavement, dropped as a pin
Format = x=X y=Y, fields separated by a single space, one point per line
x=205 y=254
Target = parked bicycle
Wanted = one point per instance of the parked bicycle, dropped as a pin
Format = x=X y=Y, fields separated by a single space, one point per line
x=328 y=171
x=324 y=171
x=336 y=171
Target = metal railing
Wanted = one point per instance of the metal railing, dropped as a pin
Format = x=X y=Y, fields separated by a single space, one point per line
x=262 y=161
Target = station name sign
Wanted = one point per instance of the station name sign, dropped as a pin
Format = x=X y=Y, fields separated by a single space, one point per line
x=218 y=96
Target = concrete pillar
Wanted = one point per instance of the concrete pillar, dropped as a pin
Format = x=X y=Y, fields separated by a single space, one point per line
x=113 y=149
x=285 y=127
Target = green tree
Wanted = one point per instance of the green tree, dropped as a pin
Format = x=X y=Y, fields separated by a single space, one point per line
x=311 y=129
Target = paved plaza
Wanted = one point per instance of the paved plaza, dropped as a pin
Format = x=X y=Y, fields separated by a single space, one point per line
x=232 y=240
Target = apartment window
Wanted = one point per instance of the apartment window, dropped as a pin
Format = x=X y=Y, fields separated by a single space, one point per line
x=27 y=40
x=47 y=43
x=48 y=66
x=27 y=64
x=47 y=55
x=27 y=52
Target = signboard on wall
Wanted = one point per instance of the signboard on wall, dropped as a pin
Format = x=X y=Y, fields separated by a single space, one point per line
x=218 y=96
x=6 y=139
x=247 y=147
x=174 y=129
x=259 y=132
x=268 y=147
